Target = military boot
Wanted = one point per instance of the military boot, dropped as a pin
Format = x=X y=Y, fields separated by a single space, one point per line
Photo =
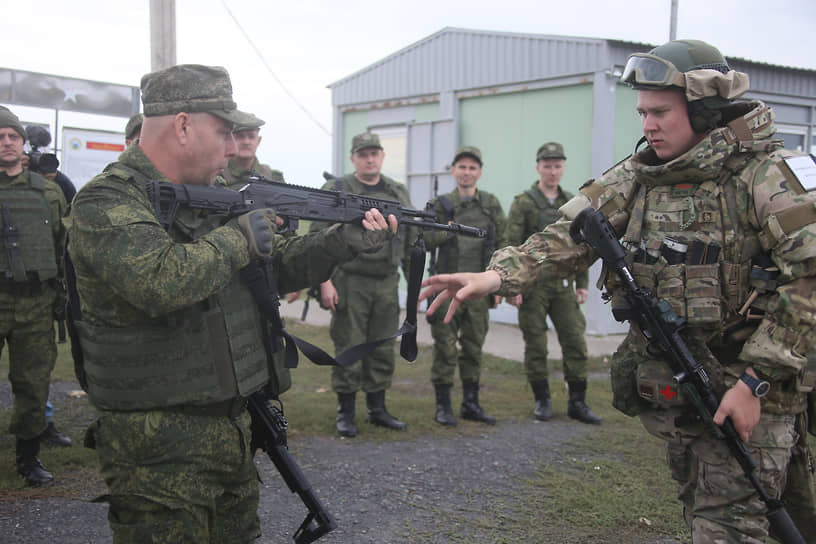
x=470 y=404
x=543 y=404
x=444 y=411
x=345 y=415
x=52 y=437
x=29 y=465
x=378 y=415
x=577 y=407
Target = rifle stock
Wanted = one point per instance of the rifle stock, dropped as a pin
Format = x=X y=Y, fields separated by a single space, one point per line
x=661 y=327
x=269 y=434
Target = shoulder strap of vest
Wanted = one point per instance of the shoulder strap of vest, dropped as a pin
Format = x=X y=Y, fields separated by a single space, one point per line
x=447 y=206
x=537 y=197
x=37 y=181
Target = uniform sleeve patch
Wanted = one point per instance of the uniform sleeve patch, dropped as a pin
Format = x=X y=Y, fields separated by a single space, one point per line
x=802 y=169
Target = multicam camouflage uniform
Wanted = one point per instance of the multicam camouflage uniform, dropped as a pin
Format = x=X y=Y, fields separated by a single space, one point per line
x=464 y=254
x=553 y=296
x=29 y=295
x=733 y=190
x=368 y=302
x=174 y=445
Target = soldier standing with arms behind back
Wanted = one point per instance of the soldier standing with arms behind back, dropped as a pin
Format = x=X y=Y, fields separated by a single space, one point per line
x=172 y=338
x=713 y=180
x=469 y=206
x=30 y=291
x=531 y=212
x=363 y=297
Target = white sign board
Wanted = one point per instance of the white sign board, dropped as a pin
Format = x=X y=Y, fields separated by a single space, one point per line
x=85 y=153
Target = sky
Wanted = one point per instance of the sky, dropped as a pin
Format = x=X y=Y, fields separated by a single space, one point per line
x=309 y=44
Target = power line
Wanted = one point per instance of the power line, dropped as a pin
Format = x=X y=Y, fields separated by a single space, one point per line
x=272 y=73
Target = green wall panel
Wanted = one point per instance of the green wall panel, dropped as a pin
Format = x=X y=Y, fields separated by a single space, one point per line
x=627 y=122
x=509 y=128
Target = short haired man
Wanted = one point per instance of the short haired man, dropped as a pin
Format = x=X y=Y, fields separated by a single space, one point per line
x=363 y=297
x=30 y=285
x=172 y=339
x=133 y=128
x=712 y=179
x=531 y=212
x=245 y=162
x=469 y=206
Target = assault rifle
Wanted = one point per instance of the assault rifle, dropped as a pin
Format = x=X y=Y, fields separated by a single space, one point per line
x=661 y=327
x=269 y=434
x=290 y=202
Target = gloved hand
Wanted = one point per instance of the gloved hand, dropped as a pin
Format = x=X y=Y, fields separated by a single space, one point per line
x=259 y=227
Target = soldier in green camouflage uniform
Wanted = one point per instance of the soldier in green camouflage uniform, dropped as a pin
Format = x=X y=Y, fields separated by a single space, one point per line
x=363 y=297
x=133 y=128
x=531 y=212
x=469 y=206
x=172 y=339
x=713 y=180
x=30 y=291
x=245 y=163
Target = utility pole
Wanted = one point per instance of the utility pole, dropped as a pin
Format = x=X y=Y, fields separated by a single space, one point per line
x=673 y=21
x=162 y=34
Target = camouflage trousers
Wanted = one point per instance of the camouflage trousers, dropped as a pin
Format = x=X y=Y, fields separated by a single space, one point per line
x=367 y=309
x=177 y=478
x=468 y=327
x=719 y=504
x=27 y=326
x=559 y=303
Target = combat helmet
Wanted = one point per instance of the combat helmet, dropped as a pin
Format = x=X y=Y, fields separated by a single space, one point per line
x=697 y=68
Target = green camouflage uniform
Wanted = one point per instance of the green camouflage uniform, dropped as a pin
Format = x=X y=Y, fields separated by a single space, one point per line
x=236 y=177
x=368 y=302
x=27 y=306
x=531 y=212
x=177 y=460
x=733 y=190
x=464 y=254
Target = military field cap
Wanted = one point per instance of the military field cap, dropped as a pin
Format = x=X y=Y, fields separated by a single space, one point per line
x=468 y=151
x=364 y=140
x=133 y=126
x=250 y=123
x=9 y=120
x=190 y=88
x=550 y=150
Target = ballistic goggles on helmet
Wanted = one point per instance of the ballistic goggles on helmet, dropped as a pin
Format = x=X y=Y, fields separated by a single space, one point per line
x=651 y=70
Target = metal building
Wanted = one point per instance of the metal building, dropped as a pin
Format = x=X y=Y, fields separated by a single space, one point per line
x=508 y=93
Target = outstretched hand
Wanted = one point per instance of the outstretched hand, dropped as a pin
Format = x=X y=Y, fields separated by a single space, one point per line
x=458 y=288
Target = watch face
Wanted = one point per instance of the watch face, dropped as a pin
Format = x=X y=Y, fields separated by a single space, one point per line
x=762 y=389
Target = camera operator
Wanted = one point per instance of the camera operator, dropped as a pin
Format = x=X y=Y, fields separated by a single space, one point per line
x=46 y=164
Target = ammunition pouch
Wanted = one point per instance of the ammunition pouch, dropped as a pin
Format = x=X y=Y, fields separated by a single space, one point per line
x=655 y=384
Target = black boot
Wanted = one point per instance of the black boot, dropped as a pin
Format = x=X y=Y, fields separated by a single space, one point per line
x=444 y=412
x=29 y=465
x=577 y=408
x=52 y=437
x=378 y=415
x=345 y=415
x=470 y=404
x=543 y=405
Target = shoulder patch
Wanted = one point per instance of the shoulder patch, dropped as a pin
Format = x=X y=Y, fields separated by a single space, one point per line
x=800 y=172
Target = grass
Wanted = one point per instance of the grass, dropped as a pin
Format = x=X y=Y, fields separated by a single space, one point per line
x=612 y=485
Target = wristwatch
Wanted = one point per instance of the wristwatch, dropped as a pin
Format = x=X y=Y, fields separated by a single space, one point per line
x=758 y=387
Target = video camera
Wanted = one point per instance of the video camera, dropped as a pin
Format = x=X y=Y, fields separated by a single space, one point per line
x=42 y=163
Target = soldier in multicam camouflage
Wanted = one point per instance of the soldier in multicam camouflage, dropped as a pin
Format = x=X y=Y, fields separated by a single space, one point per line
x=718 y=223
x=531 y=212
x=30 y=291
x=245 y=163
x=172 y=339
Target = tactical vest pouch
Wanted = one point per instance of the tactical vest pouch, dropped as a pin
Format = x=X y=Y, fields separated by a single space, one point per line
x=623 y=377
x=703 y=306
x=655 y=383
x=670 y=286
x=280 y=379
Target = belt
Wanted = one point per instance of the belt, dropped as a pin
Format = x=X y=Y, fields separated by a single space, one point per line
x=230 y=408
